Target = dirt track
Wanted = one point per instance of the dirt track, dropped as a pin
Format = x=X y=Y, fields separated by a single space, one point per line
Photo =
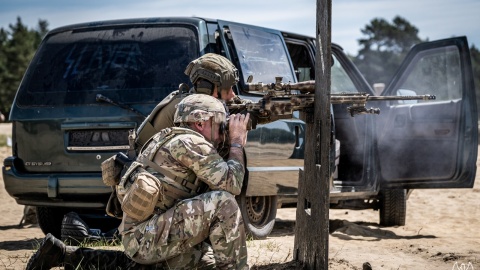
x=442 y=232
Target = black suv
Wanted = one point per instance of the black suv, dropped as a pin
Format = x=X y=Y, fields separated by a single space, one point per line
x=62 y=131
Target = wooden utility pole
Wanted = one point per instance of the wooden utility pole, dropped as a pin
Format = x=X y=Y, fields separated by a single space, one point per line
x=311 y=230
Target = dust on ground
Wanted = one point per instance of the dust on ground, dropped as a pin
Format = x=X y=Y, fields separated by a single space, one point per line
x=441 y=232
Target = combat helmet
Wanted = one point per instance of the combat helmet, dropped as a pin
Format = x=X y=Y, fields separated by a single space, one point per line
x=213 y=68
x=199 y=108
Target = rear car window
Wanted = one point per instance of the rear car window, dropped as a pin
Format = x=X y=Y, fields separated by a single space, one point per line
x=130 y=65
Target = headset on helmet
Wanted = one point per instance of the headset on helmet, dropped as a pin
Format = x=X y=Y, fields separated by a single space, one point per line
x=213 y=68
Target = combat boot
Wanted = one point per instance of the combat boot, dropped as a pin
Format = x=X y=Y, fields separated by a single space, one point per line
x=75 y=231
x=50 y=254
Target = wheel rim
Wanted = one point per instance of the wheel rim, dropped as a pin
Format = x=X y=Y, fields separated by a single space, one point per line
x=258 y=209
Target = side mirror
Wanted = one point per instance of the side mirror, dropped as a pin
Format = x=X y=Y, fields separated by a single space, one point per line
x=378 y=88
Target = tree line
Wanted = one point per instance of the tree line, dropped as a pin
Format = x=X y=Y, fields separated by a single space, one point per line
x=382 y=48
x=18 y=44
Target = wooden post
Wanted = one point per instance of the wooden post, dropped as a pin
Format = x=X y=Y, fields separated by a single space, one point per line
x=311 y=230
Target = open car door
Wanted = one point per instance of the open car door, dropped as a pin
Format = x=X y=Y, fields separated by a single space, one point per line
x=431 y=144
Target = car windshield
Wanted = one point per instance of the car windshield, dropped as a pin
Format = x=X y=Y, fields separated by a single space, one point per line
x=261 y=54
x=139 y=64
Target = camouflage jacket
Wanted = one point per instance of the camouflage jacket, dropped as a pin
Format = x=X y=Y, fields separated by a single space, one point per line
x=185 y=153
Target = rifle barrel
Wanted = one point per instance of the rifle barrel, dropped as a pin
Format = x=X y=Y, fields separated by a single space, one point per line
x=419 y=97
x=309 y=87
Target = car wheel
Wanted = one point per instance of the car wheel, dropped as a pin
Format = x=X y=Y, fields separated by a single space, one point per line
x=259 y=214
x=50 y=220
x=393 y=207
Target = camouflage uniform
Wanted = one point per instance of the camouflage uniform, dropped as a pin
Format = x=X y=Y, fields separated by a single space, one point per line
x=189 y=222
x=190 y=210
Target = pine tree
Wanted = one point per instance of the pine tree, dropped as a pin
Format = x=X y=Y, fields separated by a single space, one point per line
x=17 y=47
x=385 y=46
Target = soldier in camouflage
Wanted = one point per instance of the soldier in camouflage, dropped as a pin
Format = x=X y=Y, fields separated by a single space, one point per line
x=211 y=74
x=195 y=208
x=187 y=158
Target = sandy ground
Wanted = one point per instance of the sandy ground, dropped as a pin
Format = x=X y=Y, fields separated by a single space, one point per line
x=442 y=231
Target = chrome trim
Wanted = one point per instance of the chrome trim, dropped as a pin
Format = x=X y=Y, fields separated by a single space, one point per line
x=273 y=169
x=97 y=148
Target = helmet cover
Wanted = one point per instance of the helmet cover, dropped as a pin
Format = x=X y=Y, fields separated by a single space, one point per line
x=213 y=68
x=199 y=108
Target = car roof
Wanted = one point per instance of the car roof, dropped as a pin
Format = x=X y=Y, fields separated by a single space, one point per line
x=130 y=21
x=162 y=20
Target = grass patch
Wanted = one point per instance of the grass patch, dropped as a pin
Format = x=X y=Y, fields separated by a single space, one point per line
x=102 y=243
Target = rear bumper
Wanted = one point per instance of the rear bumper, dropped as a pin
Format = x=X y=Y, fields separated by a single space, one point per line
x=80 y=190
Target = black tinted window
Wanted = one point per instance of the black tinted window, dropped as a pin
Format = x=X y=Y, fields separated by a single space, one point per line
x=129 y=65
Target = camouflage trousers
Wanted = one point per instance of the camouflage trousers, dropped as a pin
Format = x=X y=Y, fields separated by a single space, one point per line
x=172 y=239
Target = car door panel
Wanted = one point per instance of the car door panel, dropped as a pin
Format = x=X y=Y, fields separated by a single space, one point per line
x=431 y=144
x=411 y=136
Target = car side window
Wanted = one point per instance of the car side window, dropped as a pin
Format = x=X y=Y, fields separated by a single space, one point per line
x=436 y=71
x=301 y=59
x=341 y=82
x=305 y=69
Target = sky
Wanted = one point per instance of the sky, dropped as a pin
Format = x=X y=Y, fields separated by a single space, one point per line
x=435 y=19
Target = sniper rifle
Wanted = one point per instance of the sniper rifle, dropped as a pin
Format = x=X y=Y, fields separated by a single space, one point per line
x=280 y=100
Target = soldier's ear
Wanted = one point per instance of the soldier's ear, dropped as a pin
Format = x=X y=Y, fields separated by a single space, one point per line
x=216 y=92
x=199 y=126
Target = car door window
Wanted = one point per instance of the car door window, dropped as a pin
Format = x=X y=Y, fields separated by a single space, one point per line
x=302 y=59
x=341 y=82
x=436 y=71
x=305 y=69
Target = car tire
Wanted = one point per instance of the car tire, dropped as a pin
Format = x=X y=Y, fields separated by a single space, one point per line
x=50 y=220
x=393 y=207
x=259 y=214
